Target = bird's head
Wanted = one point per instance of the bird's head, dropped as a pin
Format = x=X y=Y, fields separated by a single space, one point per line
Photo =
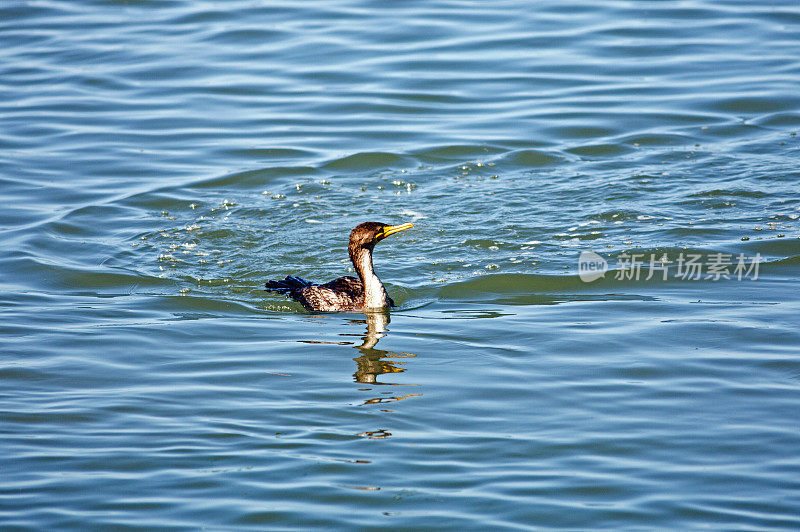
x=368 y=234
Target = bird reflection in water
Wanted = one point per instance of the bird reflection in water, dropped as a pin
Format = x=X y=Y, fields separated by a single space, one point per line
x=372 y=361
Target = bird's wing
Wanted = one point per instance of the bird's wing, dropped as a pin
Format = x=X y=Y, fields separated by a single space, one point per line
x=349 y=285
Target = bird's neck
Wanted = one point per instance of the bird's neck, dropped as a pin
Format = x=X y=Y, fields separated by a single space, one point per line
x=374 y=293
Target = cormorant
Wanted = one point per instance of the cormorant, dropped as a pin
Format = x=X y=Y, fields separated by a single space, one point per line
x=346 y=293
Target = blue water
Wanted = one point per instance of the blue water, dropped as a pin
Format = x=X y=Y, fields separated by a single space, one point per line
x=160 y=160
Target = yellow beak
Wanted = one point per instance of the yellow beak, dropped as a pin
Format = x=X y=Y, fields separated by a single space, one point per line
x=392 y=229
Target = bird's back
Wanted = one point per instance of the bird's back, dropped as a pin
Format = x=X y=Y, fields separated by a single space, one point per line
x=344 y=293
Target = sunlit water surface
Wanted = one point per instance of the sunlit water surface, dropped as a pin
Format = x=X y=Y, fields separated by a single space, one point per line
x=160 y=160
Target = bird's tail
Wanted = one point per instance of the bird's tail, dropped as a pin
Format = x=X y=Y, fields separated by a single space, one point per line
x=287 y=285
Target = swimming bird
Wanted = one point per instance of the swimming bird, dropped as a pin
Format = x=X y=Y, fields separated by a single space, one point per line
x=346 y=293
